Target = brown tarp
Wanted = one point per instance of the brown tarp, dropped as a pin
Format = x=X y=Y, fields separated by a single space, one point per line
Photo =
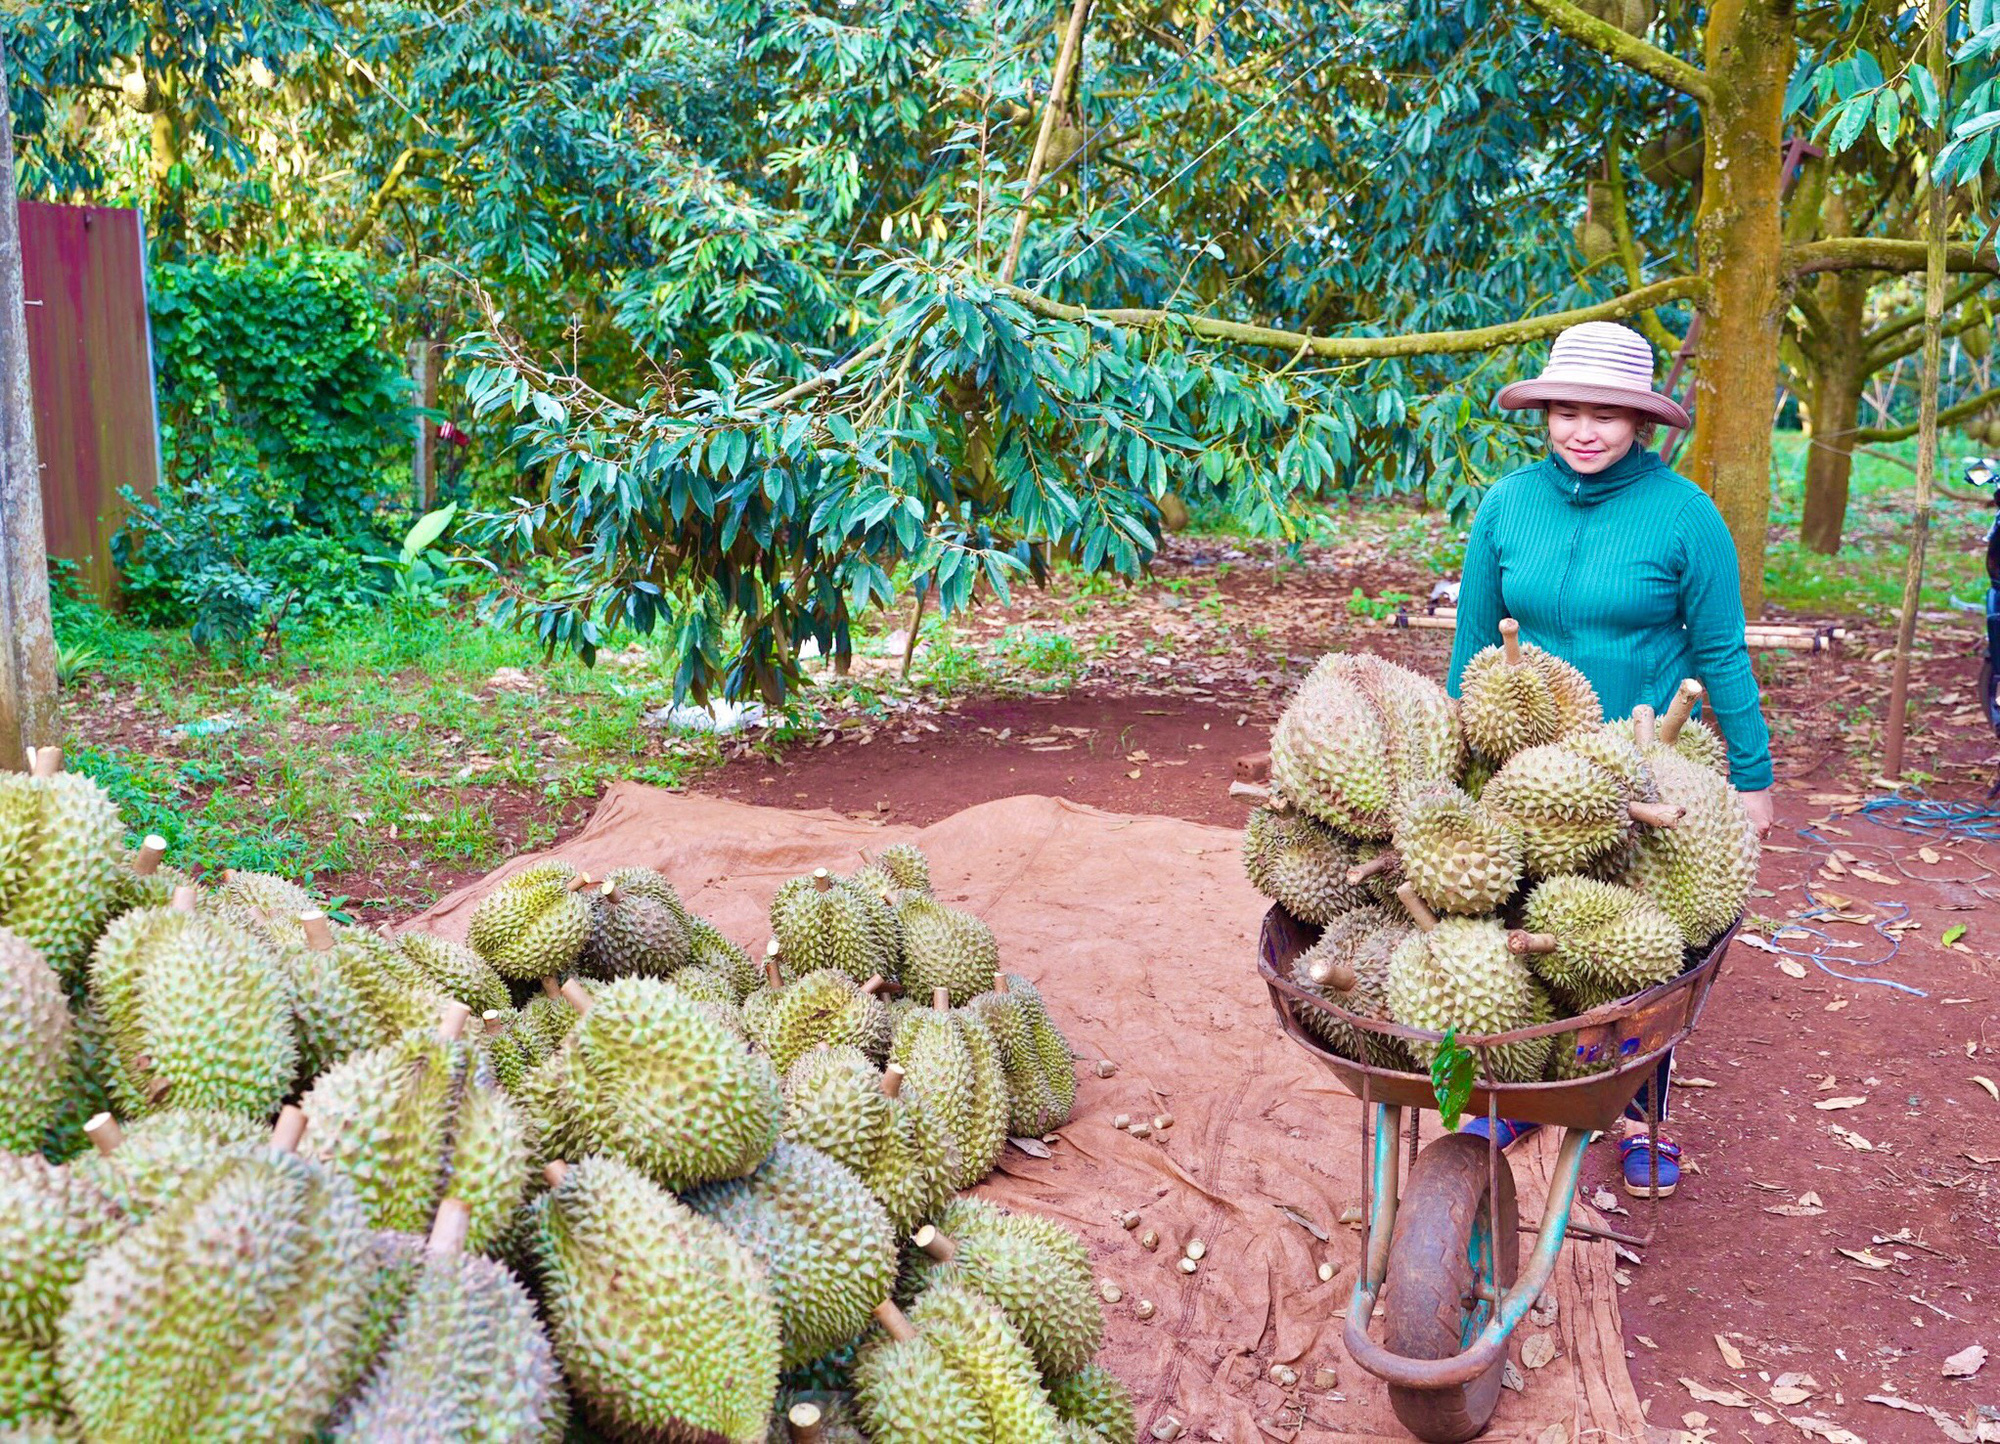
x=1141 y=934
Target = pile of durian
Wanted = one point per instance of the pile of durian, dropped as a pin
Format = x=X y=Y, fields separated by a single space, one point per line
x=1495 y=863
x=268 y=1177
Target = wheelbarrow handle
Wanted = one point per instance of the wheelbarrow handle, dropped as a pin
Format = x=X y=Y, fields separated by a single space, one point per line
x=1464 y=1367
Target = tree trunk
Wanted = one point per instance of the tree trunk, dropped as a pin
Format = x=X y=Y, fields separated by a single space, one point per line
x=1749 y=49
x=1836 y=411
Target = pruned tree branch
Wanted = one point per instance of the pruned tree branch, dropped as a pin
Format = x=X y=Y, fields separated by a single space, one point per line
x=1358 y=348
x=1876 y=253
x=1971 y=406
x=1629 y=50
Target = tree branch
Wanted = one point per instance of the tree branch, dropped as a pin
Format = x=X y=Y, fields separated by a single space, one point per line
x=1356 y=348
x=392 y=182
x=1878 y=358
x=1629 y=50
x=1971 y=406
x=1628 y=248
x=1875 y=253
x=1901 y=322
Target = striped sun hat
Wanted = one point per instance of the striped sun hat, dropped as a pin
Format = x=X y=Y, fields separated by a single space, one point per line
x=1598 y=362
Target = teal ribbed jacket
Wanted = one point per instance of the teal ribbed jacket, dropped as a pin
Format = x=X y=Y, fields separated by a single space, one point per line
x=1630 y=576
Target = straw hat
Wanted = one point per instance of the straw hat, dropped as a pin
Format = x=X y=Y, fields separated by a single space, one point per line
x=1599 y=363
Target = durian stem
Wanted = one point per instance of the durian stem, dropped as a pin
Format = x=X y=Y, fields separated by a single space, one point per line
x=45 y=761
x=1680 y=709
x=1419 y=910
x=573 y=993
x=1386 y=860
x=893 y=1322
x=452 y=1019
x=448 y=1229
x=822 y=879
x=104 y=1133
x=941 y=999
x=892 y=1080
x=157 y=1090
x=1655 y=814
x=611 y=893
x=803 y=1422
x=289 y=1129
x=1643 y=731
x=999 y=982
x=774 y=972
x=1520 y=941
x=319 y=932
x=553 y=1171
x=150 y=852
x=1329 y=973
x=937 y=1245
x=182 y=900
x=875 y=984
x=495 y=1021
x=580 y=882
x=551 y=986
x=1510 y=641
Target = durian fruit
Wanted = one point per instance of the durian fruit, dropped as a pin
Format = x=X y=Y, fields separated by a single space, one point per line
x=879 y=893
x=146 y=880
x=52 y=1221
x=467 y=1362
x=954 y=1368
x=409 y=1123
x=142 y=1166
x=1034 y=1056
x=61 y=844
x=836 y=1101
x=662 y=1320
x=1513 y=697
x=231 y=1313
x=820 y=924
x=638 y=927
x=83 y=1091
x=650 y=1076
x=1696 y=741
x=709 y=949
x=909 y=870
x=1460 y=857
x=1571 y=811
x=1301 y=864
x=951 y=1059
x=266 y=895
x=822 y=1007
x=197 y=1012
x=1457 y=972
x=1349 y=967
x=534 y=924
x=1702 y=870
x=825 y=1245
x=944 y=947
x=1031 y=1268
x=350 y=989
x=1359 y=735
x=1093 y=1397
x=34 y=1045
x=1593 y=941
x=455 y=971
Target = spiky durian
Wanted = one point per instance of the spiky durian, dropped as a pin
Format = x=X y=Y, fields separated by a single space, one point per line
x=1460 y=857
x=1349 y=967
x=1702 y=870
x=1031 y=1268
x=953 y=1369
x=638 y=927
x=826 y=1246
x=953 y=1063
x=944 y=947
x=662 y=1319
x=61 y=844
x=350 y=989
x=648 y=1075
x=52 y=1220
x=1458 y=973
x=145 y=879
x=1512 y=697
x=456 y=971
x=34 y=1044
x=822 y=1007
x=1359 y=735
x=1034 y=1055
x=1093 y=1397
x=1677 y=728
x=197 y=1012
x=229 y=1314
x=262 y=892
x=1606 y=941
x=142 y=1165
x=534 y=924
x=836 y=1100
x=1572 y=809
x=709 y=949
x=1301 y=864
x=820 y=924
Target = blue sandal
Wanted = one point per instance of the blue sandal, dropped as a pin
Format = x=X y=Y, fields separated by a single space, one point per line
x=1508 y=1131
x=1636 y=1159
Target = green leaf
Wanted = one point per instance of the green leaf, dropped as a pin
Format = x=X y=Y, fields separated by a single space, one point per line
x=1953 y=933
x=1451 y=1079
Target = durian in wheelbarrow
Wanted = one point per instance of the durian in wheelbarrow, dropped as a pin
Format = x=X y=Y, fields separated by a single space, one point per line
x=1574 y=806
x=1678 y=728
x=1702 y=870
x=1593 y=941
x=1459 y=856
x=1459 y=973
x=1349 y=967
x=1515 y=696
x=1360 y=735
x=1301 y=864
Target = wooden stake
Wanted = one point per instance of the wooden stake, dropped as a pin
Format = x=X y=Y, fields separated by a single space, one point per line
x=151 y=851
x=1680 y=709
x=1519 y=942
x=1419 y=910
x=939 y=1247
x=1510 y=641
x=893 y=1322
x=452 y=1019
x=104 y=1133
x=1655 y=814
x=319 y=931
x=892 y=1080
x=448 y=1229
x=553 y=1171
x=45 y=761
x=289 y=1129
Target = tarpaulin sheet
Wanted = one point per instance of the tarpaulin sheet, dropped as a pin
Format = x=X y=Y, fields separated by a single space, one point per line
x=1141 y=934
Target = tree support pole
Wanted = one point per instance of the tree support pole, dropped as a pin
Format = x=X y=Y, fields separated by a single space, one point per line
x=1058 y=87
x=1927 y=416
x=27 y=640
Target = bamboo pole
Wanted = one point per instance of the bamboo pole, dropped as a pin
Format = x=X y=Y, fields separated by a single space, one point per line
x=1065 y=59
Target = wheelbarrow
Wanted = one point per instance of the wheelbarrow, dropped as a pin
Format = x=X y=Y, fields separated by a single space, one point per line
x=1441 y=1244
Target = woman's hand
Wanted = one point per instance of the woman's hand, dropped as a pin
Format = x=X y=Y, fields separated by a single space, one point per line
x=1762 y=814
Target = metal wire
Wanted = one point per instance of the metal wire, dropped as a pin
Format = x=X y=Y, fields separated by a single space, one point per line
x=1932 y=817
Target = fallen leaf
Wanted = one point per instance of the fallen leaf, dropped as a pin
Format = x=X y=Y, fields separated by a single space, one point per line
x=1512 y=1378
x=1966 y=1362
x=1762 y=1418
x=1646 y=1341
x=1302 y=1221
x=1988 y=1084
x=1730 y=1354
x=1828 y=1105
x=1852 y=1139
x=1836 y=1005
x=1870 y=875
x=1793 y=1388
x=1952 y=934
x=1791 y=967
x=1794 y=1210
x=1680 y=1082
x=1751 y=940
x=1929 y=854
x=1033 y=1147
x=1827 y=1083
x=1138 y=756
x=1135 y=772
x=1809 y=1199
x=1538 y=1350
x=1730 y=1398
x=1863 y=1257
x=1825 y=1429
x=1893 y=1402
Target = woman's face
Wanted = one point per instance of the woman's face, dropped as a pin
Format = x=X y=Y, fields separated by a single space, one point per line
x=1590 y=437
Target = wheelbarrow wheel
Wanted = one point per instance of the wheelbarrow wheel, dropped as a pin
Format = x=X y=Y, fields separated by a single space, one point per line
x=1448 y=1244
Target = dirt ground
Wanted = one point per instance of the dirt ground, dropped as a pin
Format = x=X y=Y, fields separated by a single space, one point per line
x=1840 y=1214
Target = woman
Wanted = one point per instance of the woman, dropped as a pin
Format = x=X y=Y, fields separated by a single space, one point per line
x=1624 y=569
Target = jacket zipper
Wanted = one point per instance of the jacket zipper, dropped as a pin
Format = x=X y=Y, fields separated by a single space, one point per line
x=1578 y=514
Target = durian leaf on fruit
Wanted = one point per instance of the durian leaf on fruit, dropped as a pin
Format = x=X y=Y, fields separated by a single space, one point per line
x=1451 y=1079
